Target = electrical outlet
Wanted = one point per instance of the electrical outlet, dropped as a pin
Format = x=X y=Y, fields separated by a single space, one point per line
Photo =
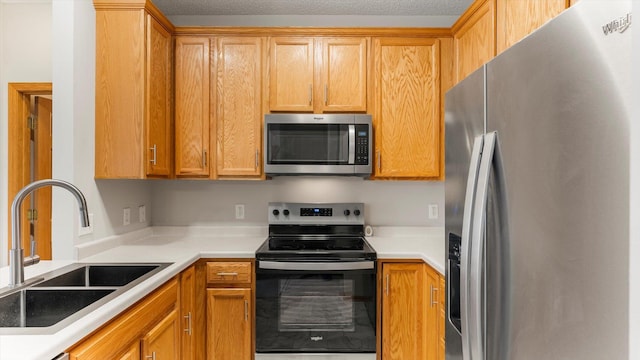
x=126 y=216
x=239 y=211
x=86 y=230
x=433 y=211
x=142 y=213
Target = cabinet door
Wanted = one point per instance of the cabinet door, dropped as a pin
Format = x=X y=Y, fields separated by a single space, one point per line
x=474 y=40
x=407 y=108
x=403 y=311
x=442 y=312
x=120 y=59
x=239 y=106
x=187 y=312
x=158 y=100
x=432 y=313
x=343 y=82
x=291 y=74
x=229 y=320
x=517 y=19
x=163 y=341
x=133 y=353
x=192 y=106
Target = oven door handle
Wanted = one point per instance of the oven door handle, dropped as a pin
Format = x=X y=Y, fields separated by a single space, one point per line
x=316 y=266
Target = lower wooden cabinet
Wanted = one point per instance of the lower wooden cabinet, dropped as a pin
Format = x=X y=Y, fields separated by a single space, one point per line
x=409 y=311
x=163 y=341
x=149 y=326
x=442 y=314
x=230 y=319
x=229 y=324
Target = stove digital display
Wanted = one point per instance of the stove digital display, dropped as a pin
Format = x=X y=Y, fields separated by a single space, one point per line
x=316 y=212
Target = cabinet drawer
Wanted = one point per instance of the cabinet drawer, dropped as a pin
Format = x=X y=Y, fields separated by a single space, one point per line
x=229 y=273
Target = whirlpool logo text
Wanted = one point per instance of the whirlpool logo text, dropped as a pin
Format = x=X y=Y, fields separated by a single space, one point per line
x=619 y=25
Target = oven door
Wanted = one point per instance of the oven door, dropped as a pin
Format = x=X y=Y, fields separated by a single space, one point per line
x=315 y=307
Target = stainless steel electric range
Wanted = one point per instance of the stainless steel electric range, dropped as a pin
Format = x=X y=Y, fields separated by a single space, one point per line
x=316 y=283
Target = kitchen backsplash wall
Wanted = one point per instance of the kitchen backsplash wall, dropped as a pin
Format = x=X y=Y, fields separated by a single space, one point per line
x=387 y=203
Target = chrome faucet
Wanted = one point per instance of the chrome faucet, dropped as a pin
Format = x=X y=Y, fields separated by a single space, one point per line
x=17 y=261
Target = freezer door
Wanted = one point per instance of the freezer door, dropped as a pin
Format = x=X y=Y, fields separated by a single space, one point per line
x=557 y=101
x=464 y=122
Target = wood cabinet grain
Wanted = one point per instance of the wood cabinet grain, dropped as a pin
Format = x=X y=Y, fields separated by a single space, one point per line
x=474 y=37
x=318 y=74
x=163 y=340
x=239 y=106
x=229 y=323
x=517 y=19
x=192 y=117
x=133 y=101
x=407 y=119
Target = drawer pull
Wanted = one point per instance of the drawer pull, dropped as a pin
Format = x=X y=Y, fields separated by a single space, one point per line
x=227 y=274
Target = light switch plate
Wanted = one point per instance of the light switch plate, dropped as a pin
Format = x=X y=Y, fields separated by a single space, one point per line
x=433 y=211
x=126 y=216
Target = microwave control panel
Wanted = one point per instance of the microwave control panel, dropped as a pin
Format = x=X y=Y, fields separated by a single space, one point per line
x=362 y=144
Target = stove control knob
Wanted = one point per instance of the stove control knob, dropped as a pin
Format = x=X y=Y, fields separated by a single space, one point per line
x=276 y=212
x=285 y=212
x=356 y=212
x=347 y=212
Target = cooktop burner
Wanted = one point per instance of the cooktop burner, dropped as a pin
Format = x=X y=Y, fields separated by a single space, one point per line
x=316 y=232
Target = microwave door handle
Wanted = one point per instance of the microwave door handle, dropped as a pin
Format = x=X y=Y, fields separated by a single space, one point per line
x=352 y=144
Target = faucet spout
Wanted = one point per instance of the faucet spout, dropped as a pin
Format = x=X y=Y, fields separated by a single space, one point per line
x=17 y=262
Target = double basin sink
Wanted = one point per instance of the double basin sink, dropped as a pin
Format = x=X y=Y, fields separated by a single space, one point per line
x=62 y=296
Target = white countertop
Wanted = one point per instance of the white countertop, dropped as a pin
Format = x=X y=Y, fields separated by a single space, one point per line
x=182 y=246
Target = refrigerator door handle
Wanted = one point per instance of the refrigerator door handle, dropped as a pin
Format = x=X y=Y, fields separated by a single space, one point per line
x=476 y=309
x=467 y=220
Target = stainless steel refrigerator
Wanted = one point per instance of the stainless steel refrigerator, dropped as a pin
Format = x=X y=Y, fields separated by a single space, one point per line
x=537 y=194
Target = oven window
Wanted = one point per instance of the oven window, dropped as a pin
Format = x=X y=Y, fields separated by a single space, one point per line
x=312 y=144
x=315 y=311
x=316 y=305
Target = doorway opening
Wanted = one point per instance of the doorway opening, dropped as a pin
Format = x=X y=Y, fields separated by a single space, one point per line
x=30 y=152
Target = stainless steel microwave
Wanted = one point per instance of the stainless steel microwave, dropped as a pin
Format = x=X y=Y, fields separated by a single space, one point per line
x=317 y=144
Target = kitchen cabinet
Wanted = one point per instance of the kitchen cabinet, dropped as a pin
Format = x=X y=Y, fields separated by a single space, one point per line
x=409 y=306
x=192 y=312
x=316 y=74
x=133 y=91
x=474 y=36
x=239 y=105
x=192 y=117
x=517 y=19
x=163 y=341
x=407 y=113
x=230 y=319
x=150 y=325
x=442 y=314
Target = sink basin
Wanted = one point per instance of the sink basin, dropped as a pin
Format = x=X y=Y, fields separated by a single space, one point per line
x=45 y=307
x=99 y=275
x=62 y=296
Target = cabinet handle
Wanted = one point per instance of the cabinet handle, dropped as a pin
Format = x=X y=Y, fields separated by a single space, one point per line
x=257 y=159
x=204 y=158
x=246 y=310
x=152 y=356
x=310 y=94
x=188 y=318
x=378 y=156
x=227 y=274
x=386 y=287
x=434 y=300
x=154 y=150
x=326 y=94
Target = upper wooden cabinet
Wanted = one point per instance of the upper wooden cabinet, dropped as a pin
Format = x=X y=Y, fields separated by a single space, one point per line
x=192 y=117
x=133 y=92
x=318 y=74
x=406 y=117
x=474 y=38
x=239 y=107
x=517 y=19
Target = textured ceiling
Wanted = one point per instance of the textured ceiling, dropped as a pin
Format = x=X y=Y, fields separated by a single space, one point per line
x=314 y=7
